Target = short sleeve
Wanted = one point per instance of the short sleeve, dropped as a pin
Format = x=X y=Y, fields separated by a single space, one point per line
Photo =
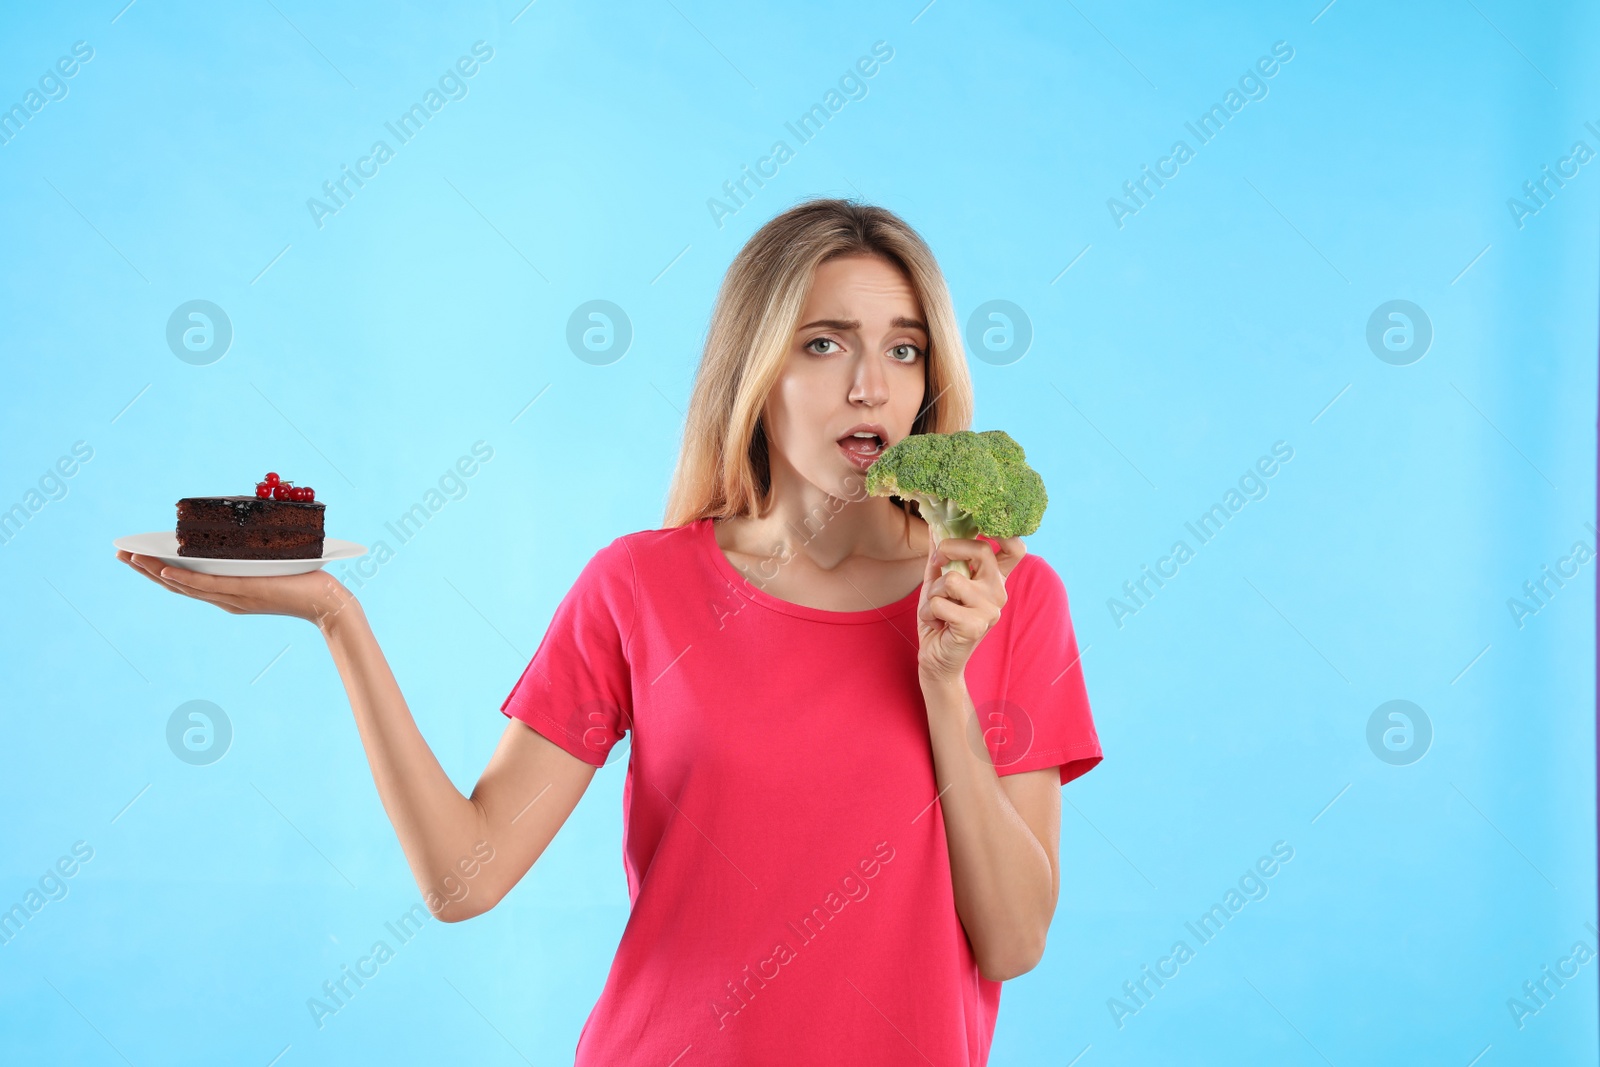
x=1028 y=688
x=577 y=690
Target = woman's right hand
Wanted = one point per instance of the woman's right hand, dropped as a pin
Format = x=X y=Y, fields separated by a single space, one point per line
x=315 y=596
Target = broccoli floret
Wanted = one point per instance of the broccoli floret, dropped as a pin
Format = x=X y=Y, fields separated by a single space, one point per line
x=964 y=484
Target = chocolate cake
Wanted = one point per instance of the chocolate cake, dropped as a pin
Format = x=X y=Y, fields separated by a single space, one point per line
x=247 y=527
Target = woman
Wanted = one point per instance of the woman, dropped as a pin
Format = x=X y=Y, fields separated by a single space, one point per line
x=842 y=804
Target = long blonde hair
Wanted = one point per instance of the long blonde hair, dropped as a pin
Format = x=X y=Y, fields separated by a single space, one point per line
x=722 y=467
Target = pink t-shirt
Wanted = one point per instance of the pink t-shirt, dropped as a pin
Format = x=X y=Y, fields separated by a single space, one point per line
x=786 y=860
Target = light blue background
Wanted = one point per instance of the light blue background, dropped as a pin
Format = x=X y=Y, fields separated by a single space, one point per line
x=1226 y=315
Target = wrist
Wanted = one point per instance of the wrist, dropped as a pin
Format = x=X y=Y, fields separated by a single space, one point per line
x=335 y=609
x=931 y=678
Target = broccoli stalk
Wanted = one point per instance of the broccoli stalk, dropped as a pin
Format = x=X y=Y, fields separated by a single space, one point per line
x=964 y=484
x=945 y=518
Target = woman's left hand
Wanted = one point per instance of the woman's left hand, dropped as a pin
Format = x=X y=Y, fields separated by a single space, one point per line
x=955 y=611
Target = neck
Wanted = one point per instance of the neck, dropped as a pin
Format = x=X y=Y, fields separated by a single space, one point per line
x=802 y=519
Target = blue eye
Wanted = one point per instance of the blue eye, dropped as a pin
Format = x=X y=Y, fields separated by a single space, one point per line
x=915 y=352
x=821 y=340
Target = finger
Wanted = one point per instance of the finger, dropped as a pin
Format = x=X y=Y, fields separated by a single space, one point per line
x=931 y=570
x=966 y=622
x=151 y=568
x=196 y=581
x=180 y=590
x=984 y=581
x=976 y=553
x=967 y=548
x=982 y=551
x=149 y=564
x=147 y=567
x=170 y=577
x=1011 y=552
x=973 y=618
x=144 y=573
x=968 y=592
x=231 y=604
x=985 y=568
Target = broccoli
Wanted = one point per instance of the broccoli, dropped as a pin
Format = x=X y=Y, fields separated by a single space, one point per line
x=964 y=484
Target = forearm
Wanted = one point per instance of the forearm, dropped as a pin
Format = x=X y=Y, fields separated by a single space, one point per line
x=1004 y=887
x=437 y=825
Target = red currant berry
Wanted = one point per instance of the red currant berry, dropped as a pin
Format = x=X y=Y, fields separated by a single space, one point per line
x=311 y=494
x=263 y=490
x=302 y=494
x=272 y=478
x=280 y=492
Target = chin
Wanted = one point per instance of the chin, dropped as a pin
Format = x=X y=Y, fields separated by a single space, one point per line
x=849 y=486
x=853 y=486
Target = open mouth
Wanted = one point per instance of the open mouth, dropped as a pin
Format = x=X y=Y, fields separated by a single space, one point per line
x=866 y=446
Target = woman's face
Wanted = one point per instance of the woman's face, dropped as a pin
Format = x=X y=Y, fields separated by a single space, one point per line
x=859 y=357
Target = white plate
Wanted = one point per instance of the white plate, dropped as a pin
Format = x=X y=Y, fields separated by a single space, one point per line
x=164 y=546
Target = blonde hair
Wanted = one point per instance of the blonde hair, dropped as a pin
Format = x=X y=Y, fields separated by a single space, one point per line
x=722 y=469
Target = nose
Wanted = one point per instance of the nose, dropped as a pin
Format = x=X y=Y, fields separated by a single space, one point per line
x=870 y=385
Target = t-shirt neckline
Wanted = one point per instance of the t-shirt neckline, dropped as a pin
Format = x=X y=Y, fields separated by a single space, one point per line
x=725 y=567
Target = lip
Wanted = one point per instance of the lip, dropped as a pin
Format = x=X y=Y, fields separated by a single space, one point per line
x=867 y=427
x=858 y=461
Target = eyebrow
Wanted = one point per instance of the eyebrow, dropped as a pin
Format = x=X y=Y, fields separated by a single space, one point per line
x=899 y=322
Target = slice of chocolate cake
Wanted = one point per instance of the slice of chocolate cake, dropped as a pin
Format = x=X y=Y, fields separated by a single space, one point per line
x=246 y=527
